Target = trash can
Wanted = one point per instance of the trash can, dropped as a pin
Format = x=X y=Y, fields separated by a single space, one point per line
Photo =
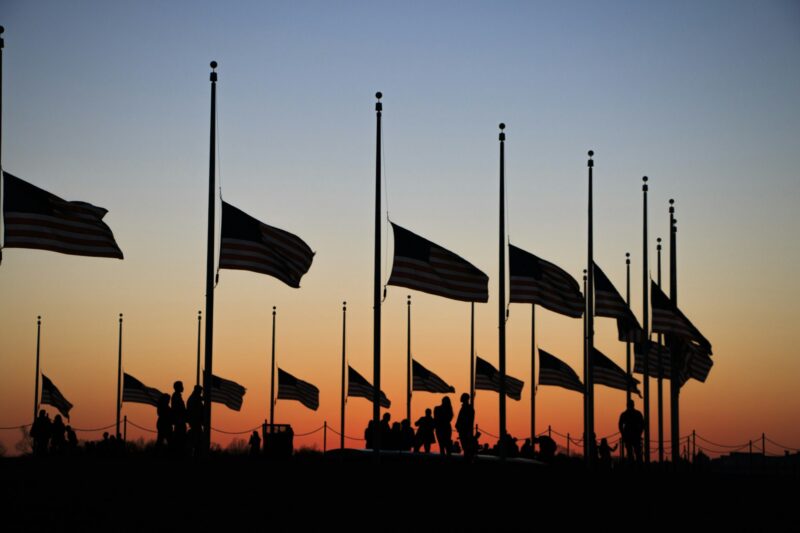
x=278 y=440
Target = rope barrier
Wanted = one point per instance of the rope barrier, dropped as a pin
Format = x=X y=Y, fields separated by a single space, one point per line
x=16 y=427
x=723 y=445
x=484 y=432
x=96 y=429
x=345 y=436
x=781 y=445
x=309 y=433
x=131 y=422
x=236 y=432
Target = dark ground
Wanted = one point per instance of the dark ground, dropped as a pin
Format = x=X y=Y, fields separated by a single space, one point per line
x=403 y=493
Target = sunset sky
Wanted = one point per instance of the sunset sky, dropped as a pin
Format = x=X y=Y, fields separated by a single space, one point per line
x=108 y=103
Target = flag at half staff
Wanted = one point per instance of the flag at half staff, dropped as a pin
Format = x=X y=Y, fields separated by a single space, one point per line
x=668 y=319
x=536 y=281
x=134 y=391
x=35 y=218
x=228 y=392
x=656 y=355
x=608 y=302
x=425 y=380
x=554 y=371
x=248 y=244
x=422 y=265
x=488 y=378
x=291 y=388
x=52 y=396
x=606 y=372
x=360 y=387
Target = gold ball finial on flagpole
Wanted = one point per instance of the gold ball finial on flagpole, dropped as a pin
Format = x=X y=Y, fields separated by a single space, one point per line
x=502 y=131
x=627 y=258
x=591 y=161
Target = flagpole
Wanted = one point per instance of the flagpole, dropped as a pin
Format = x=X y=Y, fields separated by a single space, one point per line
x=674 y=385
x=119 y=374
x=376 y=292
x=408 y=362
x=272 y=378
x=2 y=214
x=501 y=303
x=646 y=324
x=533 y=372
x=344 y=364
x=38 y=338
x=628 y=343
x=589 y=379
x=207 y=381
x=472 y=352
x=660 y=375
x=199 y=320
x=585 y=372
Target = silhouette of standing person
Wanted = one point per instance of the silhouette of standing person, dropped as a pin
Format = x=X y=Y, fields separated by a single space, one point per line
x=407 y=436
x=72 y=439
x=178 y=418
x=57 y=440
x=547 y=448
x=464 y=424
x=163 y=423
x=40 y=433
x=442 y=416
x=424 y=437
x=369 y=435
x=386 y=432
x=631 y=426
x=255 y=443
x=194 y=415
x=604 y=453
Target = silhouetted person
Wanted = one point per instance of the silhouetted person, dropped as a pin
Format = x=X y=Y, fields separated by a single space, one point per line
x=631 y=426
x=396 y=437
x=194 y=416
x=255 y=443
x=407 y=436
x=386 y=432
x=442 y=416
x=510 y=444
x=57 y=439
x=527 y=449
x=164 y=422
x=424 y=437
x=40 y=433
x=604 y=453
x=547 y=448
x=464 y=424
x=178 y=409
x=72 y=439
x=369 y=434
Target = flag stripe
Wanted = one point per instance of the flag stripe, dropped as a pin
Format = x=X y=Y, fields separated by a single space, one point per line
x=553 y=371
x=291 y=388
x=425 y=380
x=358 y=386
x=534 y=280
x=227 y=392
x=488 y=378
x=52 y=396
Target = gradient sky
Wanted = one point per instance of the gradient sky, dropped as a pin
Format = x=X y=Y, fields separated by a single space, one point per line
x=109 y=104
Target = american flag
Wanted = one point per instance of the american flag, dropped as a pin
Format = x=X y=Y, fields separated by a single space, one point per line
x=358 y=386
x=248 y=244
x=536 y=281
x=425 y=380
x=488 y=378
x=668 y=319
x=608 y=302
x=656 y=354
x=291 y=388
x=606 y=372
x=35 y=218
x=135 y=391
x=228 y=392
x=697 y=364
x=553 y=371
x=422 y=265
x=52 y=396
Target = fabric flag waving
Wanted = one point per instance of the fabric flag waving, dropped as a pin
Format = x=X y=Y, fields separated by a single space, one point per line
x=609 y=303
x=425 y=380
x=422 y=265
x=52 y=396
x=488 y=378
x=291 y=388
x=358 y=386
x=606 y=372
x=248 y=244
x=554 y=371
x=35 y=218
x=697 y=363
x=668 y=319
x=536 y=281
x=228 y=392
x=135 y=391
x=656 y=354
